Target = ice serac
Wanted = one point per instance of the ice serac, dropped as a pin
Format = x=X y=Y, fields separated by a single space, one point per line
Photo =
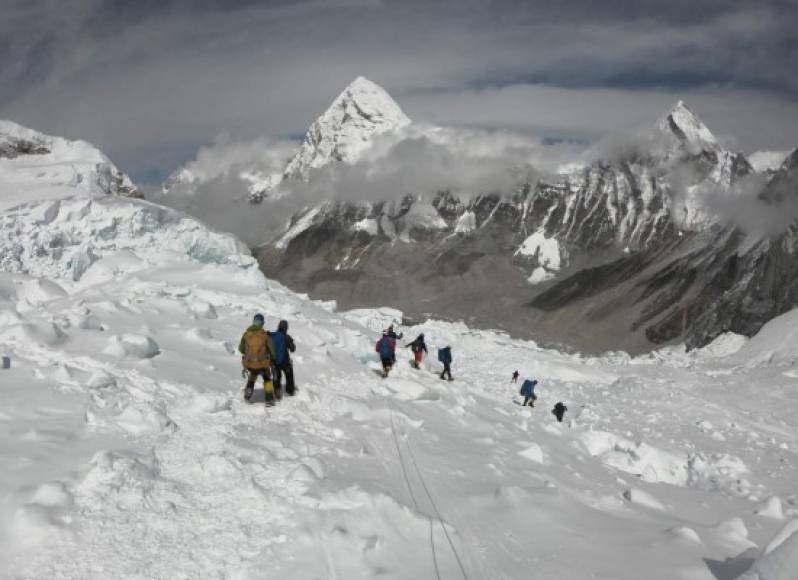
x=76 y=238
x=345 y=130
x=38 y=166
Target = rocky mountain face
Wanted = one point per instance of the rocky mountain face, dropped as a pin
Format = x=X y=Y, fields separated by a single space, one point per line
x=34 y=165
x=627 y=252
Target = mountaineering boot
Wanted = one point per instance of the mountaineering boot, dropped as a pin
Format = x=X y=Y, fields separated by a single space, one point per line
x=268 y=390
x=248 y=393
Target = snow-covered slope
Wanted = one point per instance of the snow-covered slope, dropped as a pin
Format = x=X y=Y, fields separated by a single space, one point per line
x=134 y=456
x=38 y=166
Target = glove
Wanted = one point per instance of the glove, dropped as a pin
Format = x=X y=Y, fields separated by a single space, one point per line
x=244 y=373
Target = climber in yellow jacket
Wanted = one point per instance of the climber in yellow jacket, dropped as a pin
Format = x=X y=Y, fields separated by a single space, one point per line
x=258 y=359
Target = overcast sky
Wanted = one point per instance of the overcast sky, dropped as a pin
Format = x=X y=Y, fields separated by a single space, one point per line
x=150 y=81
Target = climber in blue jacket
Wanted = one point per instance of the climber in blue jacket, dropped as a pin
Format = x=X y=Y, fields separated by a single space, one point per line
x=528 y=392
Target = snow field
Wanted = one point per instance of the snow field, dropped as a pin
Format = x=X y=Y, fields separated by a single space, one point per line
x=140 y=461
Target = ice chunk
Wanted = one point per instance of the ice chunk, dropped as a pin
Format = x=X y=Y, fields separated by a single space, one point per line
x=203 y=309
x=533 y=452
x=771 y=508
x=101 y=380
x=133 y=346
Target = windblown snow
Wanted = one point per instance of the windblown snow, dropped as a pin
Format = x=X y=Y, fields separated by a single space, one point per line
x=133 y=455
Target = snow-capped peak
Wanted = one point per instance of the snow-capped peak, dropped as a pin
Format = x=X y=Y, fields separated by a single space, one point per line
x=344 y=131
x=685 y=125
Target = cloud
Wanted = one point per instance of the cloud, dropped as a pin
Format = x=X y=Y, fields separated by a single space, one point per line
x=423 y=160
x=430 y=160
x=760 y=205
x=226 y=156
x=150 y=82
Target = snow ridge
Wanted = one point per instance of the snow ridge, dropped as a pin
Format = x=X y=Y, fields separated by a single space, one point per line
x=38 y=166
x=682 y=123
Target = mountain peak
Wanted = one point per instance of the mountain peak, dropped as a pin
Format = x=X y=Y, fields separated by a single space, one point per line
x=369 y=95
x=345 y=130
x=685 y=125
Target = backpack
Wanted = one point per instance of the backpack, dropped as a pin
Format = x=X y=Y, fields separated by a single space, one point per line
x=528 y=388
x=384 y=347
x=443 y=355
x=257 y=352
x=280 y=344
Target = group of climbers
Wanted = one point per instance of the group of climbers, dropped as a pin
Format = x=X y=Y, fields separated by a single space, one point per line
x=528 y=392
x=268 y=355
x=386 y=347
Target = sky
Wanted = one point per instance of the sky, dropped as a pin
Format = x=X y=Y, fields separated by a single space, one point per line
x=150 y=82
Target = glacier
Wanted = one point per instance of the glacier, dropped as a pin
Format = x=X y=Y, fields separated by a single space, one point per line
x=124 y=420
x=129 y=452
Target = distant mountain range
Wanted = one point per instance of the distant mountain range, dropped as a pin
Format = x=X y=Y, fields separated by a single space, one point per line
x=629 y=252
x=670 y=237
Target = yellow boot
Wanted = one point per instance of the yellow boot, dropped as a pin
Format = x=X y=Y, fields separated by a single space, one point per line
x=268 y=390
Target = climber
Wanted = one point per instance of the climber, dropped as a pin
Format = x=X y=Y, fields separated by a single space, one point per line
x=386 y=347
x=258 y=355
x=418 y=347
x=445 y=356
x=283 y=347
x=528 y=392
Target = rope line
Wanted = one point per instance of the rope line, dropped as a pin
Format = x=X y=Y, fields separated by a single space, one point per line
x=412 y=495
x=435 y=508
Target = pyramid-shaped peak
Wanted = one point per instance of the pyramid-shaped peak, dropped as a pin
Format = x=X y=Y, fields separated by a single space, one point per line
x=345 y=130
x=365 y=98
x=682 y=122
x=361 y=83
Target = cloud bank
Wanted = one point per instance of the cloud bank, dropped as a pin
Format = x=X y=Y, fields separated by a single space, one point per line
x=151 y=82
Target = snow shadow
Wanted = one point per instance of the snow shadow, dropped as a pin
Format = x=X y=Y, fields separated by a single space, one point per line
x=732 y=568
